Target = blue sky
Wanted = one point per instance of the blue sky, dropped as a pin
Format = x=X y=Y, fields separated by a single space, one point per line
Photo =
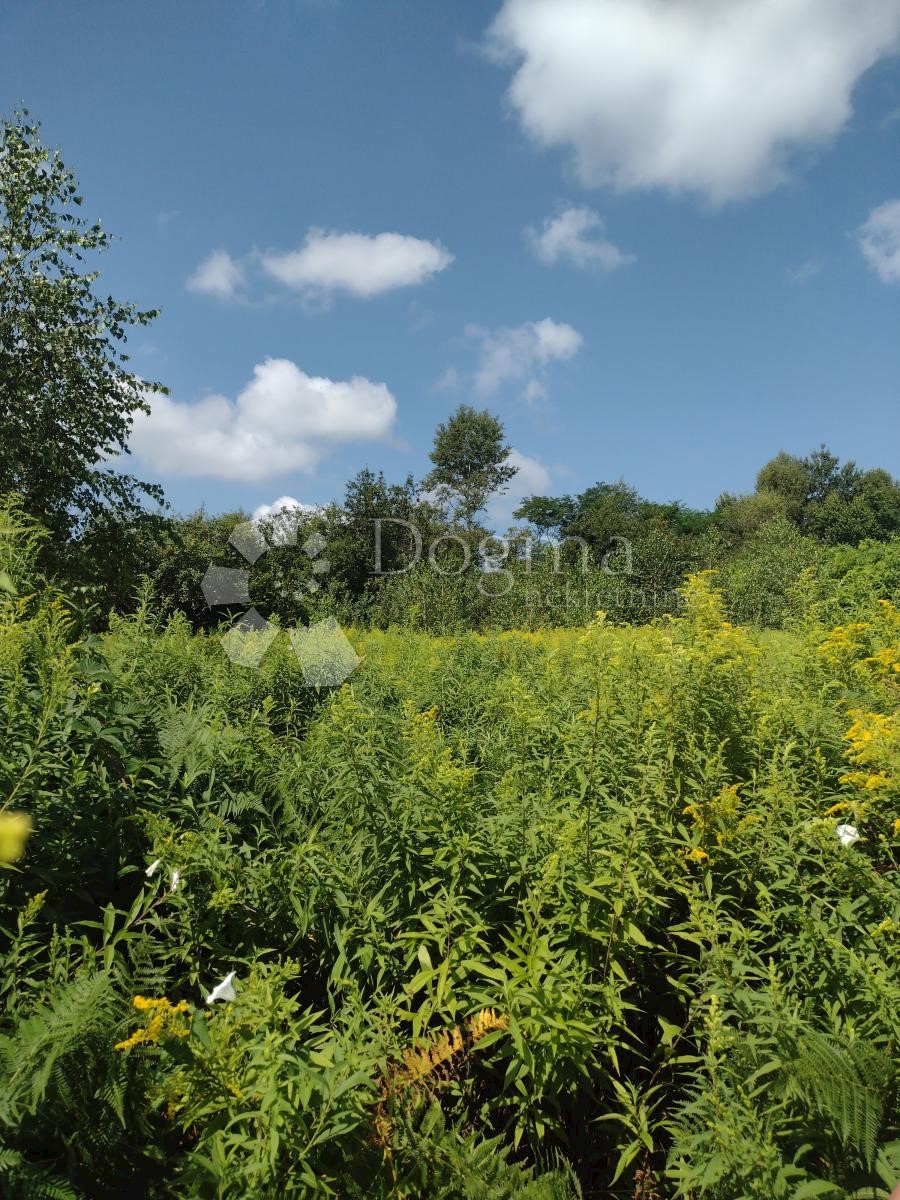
x=661 y=242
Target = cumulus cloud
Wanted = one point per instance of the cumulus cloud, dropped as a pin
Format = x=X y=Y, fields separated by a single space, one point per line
x=576 y=236
x=879 y=240
x=715 y=97
x=283 y=420
x=218 y=275
x=522 y=354
x=364 y=266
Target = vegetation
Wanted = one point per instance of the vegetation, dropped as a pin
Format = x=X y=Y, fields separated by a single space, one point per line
x=517 y=914
x=470 y=462
x=66 y=395
x=397 y=558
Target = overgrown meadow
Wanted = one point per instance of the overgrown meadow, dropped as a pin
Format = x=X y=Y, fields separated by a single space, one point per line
x=610 y=911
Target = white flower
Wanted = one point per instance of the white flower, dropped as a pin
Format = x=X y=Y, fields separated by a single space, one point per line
x=847 y=834
x=151 y=870
x=223 y=990
x=176 y=879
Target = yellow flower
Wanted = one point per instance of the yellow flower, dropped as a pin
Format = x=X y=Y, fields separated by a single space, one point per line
x=878 y=780
x=836 y=808
x=697 y=854
x=164 y=1022
x=14 y=830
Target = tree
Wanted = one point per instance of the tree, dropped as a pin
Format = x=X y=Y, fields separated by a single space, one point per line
x=604 y=514
x=827 y=477
x=741 y=517
x=837 y=521
x=881 y=493
x=66 y=397
x=548 y=514
x=471 y=462
x=789 y=478
x=377 y=529
x=835 y=503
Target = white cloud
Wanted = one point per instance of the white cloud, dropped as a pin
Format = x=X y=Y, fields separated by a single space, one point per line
x=282 y=504
x=531 y=479
x=523 y=353
x=218 y=275
x=283 y=420
x=285 y=518
x=879 y=239
x=715 y=97
x=575 y=235
x=356 y=263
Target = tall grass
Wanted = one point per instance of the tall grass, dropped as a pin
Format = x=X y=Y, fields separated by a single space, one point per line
x=516 y=914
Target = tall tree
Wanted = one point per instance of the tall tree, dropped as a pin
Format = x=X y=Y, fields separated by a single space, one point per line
x=471 y=462
x=66 y=397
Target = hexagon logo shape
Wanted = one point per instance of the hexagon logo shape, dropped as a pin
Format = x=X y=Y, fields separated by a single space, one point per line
x=323 y=650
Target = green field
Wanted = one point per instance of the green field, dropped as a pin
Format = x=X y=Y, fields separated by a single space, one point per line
x=509 y=915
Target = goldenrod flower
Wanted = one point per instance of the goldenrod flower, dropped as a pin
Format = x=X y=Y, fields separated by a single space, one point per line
x=839 y=807
x=163 y=1022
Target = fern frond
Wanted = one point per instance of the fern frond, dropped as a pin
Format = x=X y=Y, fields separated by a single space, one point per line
x=846 y=1085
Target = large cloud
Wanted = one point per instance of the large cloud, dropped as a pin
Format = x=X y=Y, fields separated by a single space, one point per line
x=283 y=420
x=879 y=239
x=356 y=263
x=709 y=96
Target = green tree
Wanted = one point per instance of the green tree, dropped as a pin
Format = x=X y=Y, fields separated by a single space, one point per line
x=380 y=527
x=881 y=493
x=67 y=398
x=740 y=517
x=604 y=514
x=471 y=462
x=548 y=514
x=833 y=502
x=789 y=478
